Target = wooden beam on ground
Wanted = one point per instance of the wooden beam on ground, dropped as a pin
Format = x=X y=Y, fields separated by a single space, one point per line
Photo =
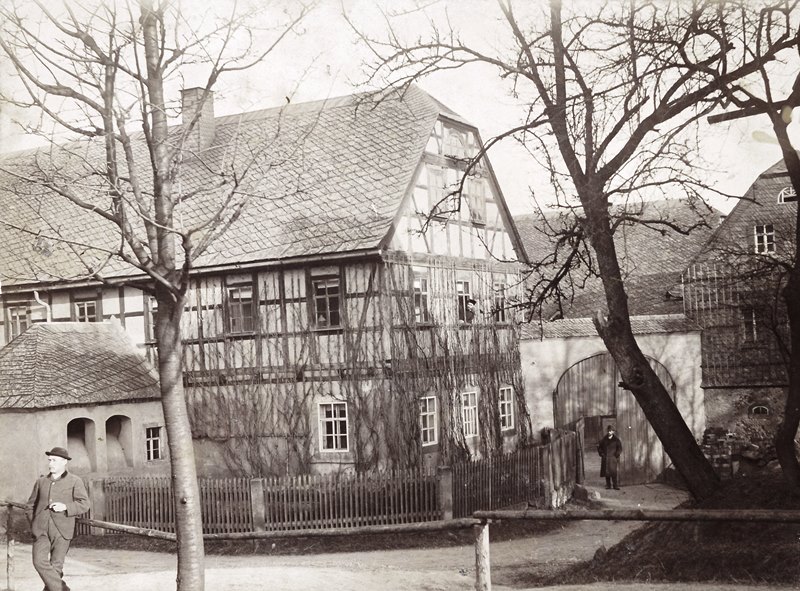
x=752 y=515
x=463 y=523
x=129 y=529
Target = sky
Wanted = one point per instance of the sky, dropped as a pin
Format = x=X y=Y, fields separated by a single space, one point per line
x=325 y=60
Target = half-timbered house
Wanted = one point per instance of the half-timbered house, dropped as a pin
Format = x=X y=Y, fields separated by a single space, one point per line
x=355 y=311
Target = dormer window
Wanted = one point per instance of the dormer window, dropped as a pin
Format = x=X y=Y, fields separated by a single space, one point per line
x=764 y=238
x=787 y=195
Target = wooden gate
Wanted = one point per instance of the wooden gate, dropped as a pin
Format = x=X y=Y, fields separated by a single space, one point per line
x=590 y=388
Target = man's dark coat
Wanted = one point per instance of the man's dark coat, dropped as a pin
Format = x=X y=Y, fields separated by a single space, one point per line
x=609 y=448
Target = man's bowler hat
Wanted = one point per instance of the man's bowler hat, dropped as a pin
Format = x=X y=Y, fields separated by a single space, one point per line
x=60 y=452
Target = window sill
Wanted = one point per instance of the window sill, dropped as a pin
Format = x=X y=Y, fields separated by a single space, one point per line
x=327 y=329
x=240 y=335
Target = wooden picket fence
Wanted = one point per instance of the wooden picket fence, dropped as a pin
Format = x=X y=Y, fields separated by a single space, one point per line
x=147 y=502
x=542 y=476
x=339 y=500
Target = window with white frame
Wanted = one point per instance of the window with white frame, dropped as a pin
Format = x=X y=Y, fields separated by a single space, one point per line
x=422 y=314
x=476 y=198
x=506 y=408
x=499 y=303
x=764 y=238
x=428 y=420
x=86 y=311
x=153 y=442
x=327 y=300
x=787 y=195
x=466 y=304
x=18 y=319
x=240 y=309
x=469 y=413
x=333 y=426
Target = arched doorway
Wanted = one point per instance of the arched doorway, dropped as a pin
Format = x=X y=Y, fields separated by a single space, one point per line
x=588 y=398
x=81 y=443
x=118 y=442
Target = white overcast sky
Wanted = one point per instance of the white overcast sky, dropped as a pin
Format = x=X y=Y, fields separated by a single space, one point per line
x=324 y=60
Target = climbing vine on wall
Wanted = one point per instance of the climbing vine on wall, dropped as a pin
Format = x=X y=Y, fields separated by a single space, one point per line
x=255 y=394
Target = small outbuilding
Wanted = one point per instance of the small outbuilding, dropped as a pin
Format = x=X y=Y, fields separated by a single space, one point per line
x=83 y=386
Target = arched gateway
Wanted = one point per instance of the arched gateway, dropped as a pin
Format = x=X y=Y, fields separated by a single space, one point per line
x=588 y=398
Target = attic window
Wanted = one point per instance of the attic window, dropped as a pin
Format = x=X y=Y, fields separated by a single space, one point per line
x=764 y=236
x=455 y=144
x=759 y=409
x=787 y=195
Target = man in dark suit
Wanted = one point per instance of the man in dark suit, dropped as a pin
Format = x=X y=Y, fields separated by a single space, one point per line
x=610 y=448
x=57 y=499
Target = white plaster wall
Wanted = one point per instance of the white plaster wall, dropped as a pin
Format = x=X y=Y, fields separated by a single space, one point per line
x=25 y=436
x=22 y=456
x=544 y=362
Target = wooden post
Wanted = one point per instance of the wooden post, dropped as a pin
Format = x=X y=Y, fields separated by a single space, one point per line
x=445 y=475
x=9 y=552
x=258 y=504
x=483 y=568
x=97 y=499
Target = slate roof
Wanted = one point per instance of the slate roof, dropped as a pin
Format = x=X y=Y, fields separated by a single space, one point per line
x=584 y=327
x=322 y=178
x=66 y=363
x=651 y=263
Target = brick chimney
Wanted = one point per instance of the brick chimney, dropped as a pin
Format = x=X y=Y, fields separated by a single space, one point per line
x=202 y=134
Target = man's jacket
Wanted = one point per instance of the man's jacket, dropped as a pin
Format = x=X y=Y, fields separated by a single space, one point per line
x=70 y=490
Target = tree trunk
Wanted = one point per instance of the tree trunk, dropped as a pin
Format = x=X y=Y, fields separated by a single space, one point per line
x=186 y=493
x=637 y=375
x=787 y=430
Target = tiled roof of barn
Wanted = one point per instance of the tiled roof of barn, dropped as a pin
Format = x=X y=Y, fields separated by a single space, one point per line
x=651 y=262
x=322 y=178
x=74 y=363
x=584 y=327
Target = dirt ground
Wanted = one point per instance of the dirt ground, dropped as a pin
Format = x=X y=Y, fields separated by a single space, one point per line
x=425 y=569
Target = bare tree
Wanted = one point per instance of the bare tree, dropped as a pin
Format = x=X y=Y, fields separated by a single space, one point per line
x=98 y=71
x=610 y=95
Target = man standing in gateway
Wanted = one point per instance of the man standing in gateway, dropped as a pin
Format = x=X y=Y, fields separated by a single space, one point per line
x=57 y=499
